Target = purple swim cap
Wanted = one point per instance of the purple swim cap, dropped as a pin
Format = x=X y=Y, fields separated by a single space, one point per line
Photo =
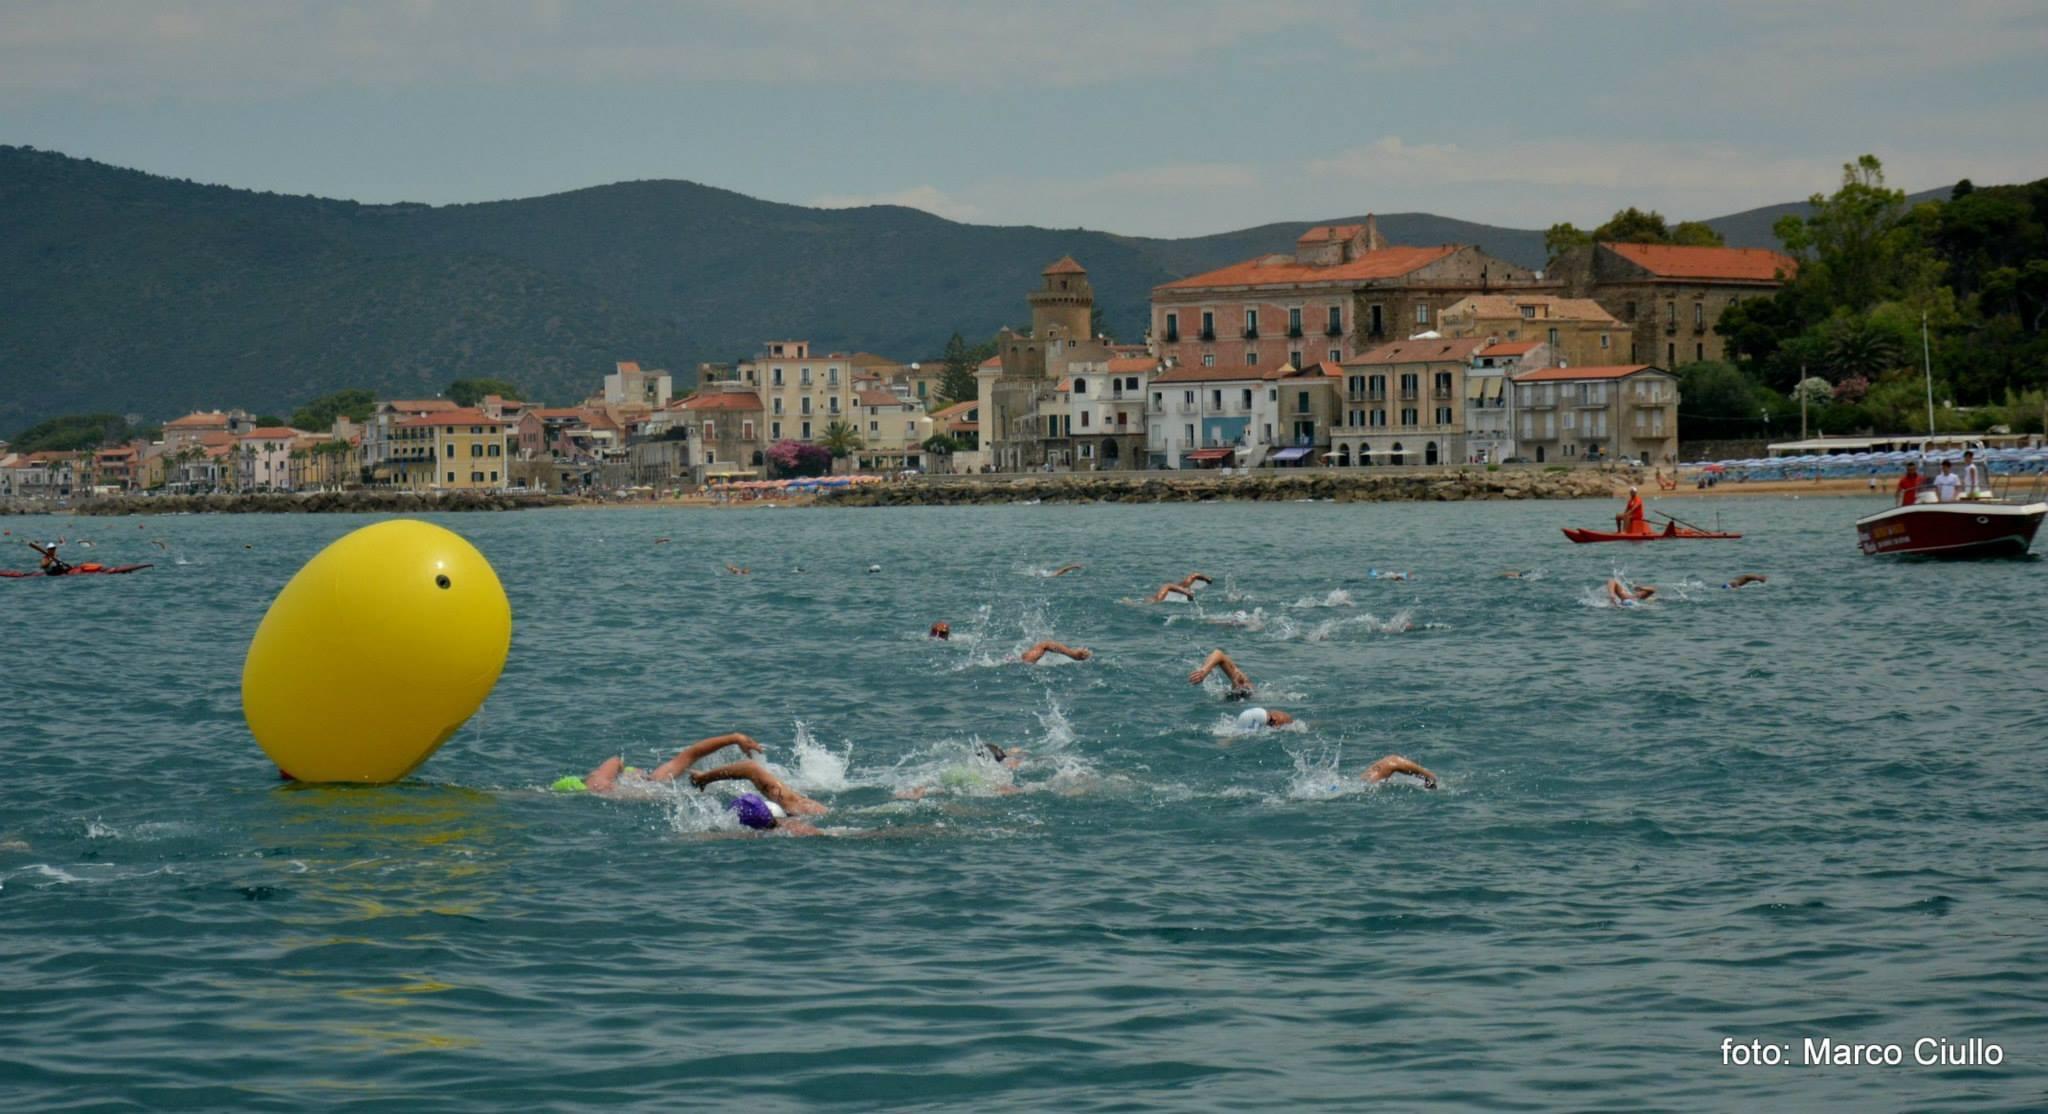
x=752 y=811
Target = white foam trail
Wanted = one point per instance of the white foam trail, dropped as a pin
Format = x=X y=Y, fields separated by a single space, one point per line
x=817 y=770
x=1336 y=597
x=1229 y=727
x=1319 y=776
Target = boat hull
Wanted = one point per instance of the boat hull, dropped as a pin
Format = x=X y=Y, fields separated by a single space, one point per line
x=1959 y=530
x=78 y=570
x=1583 y=536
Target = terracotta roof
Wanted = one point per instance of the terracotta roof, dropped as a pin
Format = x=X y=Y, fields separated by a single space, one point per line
x=421 y=405
x=1323 y=233
x=627 y=366
x=1727 y=264
x=453 y=417
x=198 y=420
x=1196 y=373
x=956 y=409
x=724 y=400
x=1280 y=270
x=962 y=427
x=1065 y=266
x=546 y=412
x=1459 y=349
x=1510 y=305
x=1510 y=348
x=1119 y=365
x=993 y=361
x=1554 y=374
x=869 y=359
x=1330 y=368
x=882 y=398
x=213 y=438
x=272 y=433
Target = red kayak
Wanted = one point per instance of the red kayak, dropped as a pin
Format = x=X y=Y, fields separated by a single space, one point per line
x=88 y=569
x=1668 y=534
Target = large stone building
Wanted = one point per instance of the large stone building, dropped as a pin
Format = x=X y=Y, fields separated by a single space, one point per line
x=453 y=450
x=1403 y=403
x=1024 y=391
x=723 y=430
x=803 y=393
x=1489 y=403
x=1343 y=291
x=1671 y=297
x=1576 y=330
x=1241 y=416
x=1569 y=415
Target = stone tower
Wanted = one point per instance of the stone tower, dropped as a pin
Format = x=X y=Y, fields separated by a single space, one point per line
x=1065 y=305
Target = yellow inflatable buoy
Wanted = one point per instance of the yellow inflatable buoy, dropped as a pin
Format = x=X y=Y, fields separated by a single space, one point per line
x=383 y=645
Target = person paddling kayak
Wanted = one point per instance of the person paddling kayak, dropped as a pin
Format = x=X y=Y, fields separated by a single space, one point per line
x=53 y=565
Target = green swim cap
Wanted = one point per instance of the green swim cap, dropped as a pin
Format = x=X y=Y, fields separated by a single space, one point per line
x=964 y=778
x=571 y=784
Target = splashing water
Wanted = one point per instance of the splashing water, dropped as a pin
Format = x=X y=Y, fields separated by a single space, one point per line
x=1336 y=597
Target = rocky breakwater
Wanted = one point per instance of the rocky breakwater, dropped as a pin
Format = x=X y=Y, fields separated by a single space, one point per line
x=319 y=502
x=1194 y=487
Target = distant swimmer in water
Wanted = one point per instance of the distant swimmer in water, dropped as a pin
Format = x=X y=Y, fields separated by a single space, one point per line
x=1189 y=580
x=1625 y=595
x=1031 y=656
x=1386 y=574
x=1065 y=569
x=1171 y=592
x=765 y=782
x=1513 y=574
x=1393 y=765
x=736 y=570
x=607 y=776
x=973 y=775
x=1253 y=719
x=941 y=630
x=1240 y=684
x=1747 y=578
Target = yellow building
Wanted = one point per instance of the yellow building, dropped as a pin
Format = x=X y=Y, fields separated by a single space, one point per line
x=456 y=450
x=1579 y=332
x=803 y=394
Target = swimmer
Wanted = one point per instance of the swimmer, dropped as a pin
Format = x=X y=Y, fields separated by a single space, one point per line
x=1394 y=764
x=1513 y=574
x=764 y=781
x=1065 y=569
x=970 y=777
x=1747 y=578
x=1252 y=719
x=1171 y=591
x=606 y=777
x=941 y=630
x=736 y=570
x=1625 y=596
x=874 y=568
x=1031 y=656
x=1188 y=581
x=1386 y=574
x=1240 y=684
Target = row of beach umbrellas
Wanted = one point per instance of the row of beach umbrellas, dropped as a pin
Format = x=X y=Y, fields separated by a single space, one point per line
x=2001 y=461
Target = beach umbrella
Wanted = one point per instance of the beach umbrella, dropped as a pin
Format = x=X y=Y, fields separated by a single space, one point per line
x=1715 y=468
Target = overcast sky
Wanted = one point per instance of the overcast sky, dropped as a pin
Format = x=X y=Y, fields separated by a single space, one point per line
x=1165 y=119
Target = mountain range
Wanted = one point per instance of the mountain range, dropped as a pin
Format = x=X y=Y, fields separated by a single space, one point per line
x=128 y=292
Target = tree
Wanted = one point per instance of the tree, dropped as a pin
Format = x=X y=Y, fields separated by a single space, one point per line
x=1856 y=346
x=1696 y=234
x=1717 y=400
x=841 y=440
x=941 y=444
x=469 y=392
x=959 y=379
x=1095 y=325
x=1813 y=391
x=794 y=458
x=1564 y=237
x=73 y=433
x=1849 y=236
x=1634 y=226
x=355 y=404
x=267 y=420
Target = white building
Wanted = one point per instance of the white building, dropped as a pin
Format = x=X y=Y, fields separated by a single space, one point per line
x=1207 y=417
x=1490 y=398
x=630 y=386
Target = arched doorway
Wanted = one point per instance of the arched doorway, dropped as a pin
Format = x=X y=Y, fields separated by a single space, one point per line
x=1364 y=456
x=1344 y=456
x=1429 y=453
x=1539 y=454
x=1398 y=458
x=1110 y=452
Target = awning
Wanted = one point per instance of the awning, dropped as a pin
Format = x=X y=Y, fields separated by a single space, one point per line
x=1475 y=388
x=1206 y=455
x=1292 y=454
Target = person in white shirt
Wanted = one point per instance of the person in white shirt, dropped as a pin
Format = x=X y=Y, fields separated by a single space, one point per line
x=1946 y=483
x=1973 y=479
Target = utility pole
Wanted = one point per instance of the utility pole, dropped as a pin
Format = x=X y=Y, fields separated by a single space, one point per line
x=1927 y=361
x=1802 y=402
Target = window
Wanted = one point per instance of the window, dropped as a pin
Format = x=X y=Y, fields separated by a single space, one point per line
x=1422 y=313
x=494 y=477
x=1699 y=314
x=1443 y=415
x=807 y=431
x=1251 y=322
x=875 y=427
x=1251 y=358
x=1173 y=326
x=804 y=377
x=1603 y=340
x=496 y=450
x=1131 y=383
x=775 y=376
x=1087 y=448
x=1084 y=419
x=1671 y=354
x=451 y=477
x=1356 y=419
x=1553 y=338
x=1528 y=311
x=1159 y=400
x=1216 y=401
x=832 y=376
x=448 y=451
x=1247 y=400
x=1443 y=384
x=1209 y=359
x=710 y=429
x=1301 y=402
x=1628 y=311
x=1294 y=321
x=777 y=411
x=476 y=448
x=1378 y=320
x=832 y=404
x=1294 y=358
x=1671 y=309
x=1699 y=351
x=1336 y=355
x=909 y=429
x=1187 y=399
x=1335 y=327
x=1190 y=434
x=1208 y=325
x=1411 y=384
x=1378 y=386
x=476 y=477
x=1080 y=386
x=775 y=430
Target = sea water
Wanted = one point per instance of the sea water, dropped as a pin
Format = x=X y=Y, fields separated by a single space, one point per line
x=1811 y=809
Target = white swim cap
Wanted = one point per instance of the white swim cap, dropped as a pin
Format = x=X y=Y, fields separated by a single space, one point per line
x=1251 y=718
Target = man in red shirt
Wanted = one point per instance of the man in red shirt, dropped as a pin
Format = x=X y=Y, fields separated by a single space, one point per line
x=1631 y=517
x=1909 y=484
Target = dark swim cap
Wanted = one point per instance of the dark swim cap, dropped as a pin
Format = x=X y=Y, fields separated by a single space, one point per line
x=752 y=811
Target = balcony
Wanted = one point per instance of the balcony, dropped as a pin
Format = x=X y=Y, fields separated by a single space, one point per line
x=1208 y=334
x=1334 y=331
x=1409 y=394
x=1172 y=336
x=1671 y=328
x=1441 y=393
x=1251 y=332
x=1293 y=332
x=1699 y=328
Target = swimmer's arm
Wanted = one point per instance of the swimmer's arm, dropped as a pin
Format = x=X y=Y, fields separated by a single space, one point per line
x=689 y=755
x=1395 y=764
x=606 y=776
x=770 y=786
x=1217 y=659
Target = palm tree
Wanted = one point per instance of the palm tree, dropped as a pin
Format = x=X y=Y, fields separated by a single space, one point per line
x=840 y=440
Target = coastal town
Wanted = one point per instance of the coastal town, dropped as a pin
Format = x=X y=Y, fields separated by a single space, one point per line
x=1350 y=352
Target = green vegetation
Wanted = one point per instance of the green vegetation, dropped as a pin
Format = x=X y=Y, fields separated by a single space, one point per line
x=267 y=420
x=958 y=383
x=941 y=444
x=841 y=440
x=469 y=392
x=1633 y=226
x=1872 y=269
x=355 y=404
x=73 y=433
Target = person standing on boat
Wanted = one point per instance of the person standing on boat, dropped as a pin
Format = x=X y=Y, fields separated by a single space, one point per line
x=1945 y=484
x=1973 y=480
x=1909 y=484
x=1630 y=520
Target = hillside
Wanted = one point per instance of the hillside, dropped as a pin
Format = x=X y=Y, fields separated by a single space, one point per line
x=130 y=292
